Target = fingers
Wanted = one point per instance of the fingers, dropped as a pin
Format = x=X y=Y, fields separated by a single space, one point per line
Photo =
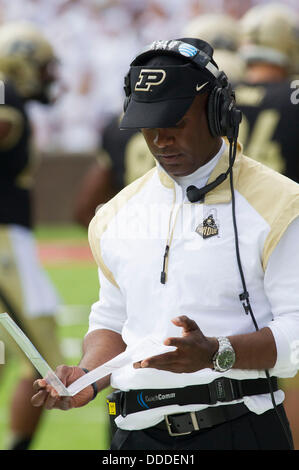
x=169 y=361
x=160 y=361
x=46 y=395
x=51 y=399
x=188 y=326
x=40 y=392
x=176 y=342
x=65 y=403
x=54 y=400
x=64 y=373
x=39 y=385
x=185 y=322
x=39 y=398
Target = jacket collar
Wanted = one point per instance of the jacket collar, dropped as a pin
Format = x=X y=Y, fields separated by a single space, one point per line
x=222 y=193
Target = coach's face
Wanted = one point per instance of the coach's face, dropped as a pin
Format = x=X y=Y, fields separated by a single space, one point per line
x=182 y=149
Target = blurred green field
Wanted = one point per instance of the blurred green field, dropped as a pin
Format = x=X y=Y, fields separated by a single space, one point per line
x=76 y=281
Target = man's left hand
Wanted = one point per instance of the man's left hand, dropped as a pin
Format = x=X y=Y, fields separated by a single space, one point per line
x=194 y=350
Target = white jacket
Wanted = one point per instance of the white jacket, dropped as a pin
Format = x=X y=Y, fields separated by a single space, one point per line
x=128 y=236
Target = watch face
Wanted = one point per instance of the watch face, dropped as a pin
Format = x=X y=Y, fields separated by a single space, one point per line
x=226 y=359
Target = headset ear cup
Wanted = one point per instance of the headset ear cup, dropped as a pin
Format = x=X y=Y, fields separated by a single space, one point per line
x=230 y=115
x=211 y=113
x=214 y=112
x=223 y=116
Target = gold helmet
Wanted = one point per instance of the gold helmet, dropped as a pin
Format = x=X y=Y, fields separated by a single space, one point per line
x=26 y=58
x=222 y=32
x=219 y=30
x=270 y=33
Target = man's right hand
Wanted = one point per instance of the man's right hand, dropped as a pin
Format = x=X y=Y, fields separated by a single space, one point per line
x=45 y=395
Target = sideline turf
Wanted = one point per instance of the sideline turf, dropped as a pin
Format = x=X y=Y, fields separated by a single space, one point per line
x=85 y=428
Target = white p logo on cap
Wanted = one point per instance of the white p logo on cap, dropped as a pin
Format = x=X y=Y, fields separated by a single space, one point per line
x=149 y=78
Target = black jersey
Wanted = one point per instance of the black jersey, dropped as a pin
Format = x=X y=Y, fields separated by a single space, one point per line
x=127 y=151
x=15 y=155
x=269 y=127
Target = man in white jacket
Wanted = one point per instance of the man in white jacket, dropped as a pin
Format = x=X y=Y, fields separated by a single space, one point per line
x=201 y=254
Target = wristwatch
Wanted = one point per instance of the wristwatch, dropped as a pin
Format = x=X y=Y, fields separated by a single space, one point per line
x=225 y=357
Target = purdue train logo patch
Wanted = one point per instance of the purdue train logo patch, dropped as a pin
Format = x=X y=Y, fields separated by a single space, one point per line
x=208 y=228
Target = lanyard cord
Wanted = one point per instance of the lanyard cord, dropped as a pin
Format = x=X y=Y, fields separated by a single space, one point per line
x=244 y=297
x=169 y=241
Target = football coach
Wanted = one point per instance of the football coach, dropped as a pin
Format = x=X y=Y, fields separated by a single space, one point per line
x=201 y=253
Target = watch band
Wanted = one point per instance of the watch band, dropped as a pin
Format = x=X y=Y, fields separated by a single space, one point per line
x=224 y=346
x=94 y=385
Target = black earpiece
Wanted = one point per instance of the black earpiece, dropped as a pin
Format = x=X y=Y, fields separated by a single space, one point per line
x=195 y=194
x=223 y=116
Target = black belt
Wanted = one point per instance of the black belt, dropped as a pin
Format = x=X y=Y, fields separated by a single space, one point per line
x=223 y=390
x=186 y=423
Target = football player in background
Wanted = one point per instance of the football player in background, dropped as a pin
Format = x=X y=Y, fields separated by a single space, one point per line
x=223 y=33
x=123 y=157
x=26 y=65
x=269 y=127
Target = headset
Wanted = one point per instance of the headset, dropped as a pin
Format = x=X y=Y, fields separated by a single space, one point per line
x=222 y=114
x=223 y=120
